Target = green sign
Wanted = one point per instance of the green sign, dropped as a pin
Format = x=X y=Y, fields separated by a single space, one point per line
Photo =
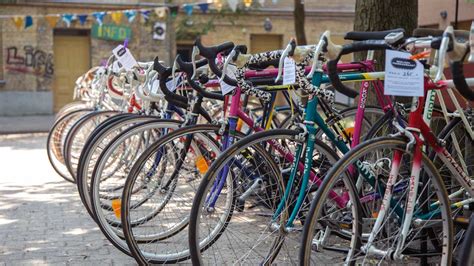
x=111 y=32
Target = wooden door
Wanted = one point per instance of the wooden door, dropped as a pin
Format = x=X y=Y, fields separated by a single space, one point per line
x=71 y=59
x=265 y=42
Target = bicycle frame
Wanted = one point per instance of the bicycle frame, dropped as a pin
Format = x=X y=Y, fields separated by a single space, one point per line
x=314 y=117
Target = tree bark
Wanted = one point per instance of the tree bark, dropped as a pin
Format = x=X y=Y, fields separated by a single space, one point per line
x=299 y=15
x=376 y=15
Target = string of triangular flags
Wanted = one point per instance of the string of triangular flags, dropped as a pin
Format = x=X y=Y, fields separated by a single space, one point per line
x=24 y=22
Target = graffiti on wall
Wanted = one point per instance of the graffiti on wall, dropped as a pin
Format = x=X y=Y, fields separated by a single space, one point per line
x=30 y=61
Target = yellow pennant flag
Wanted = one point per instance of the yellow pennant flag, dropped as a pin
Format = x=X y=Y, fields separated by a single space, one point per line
x=52 y=20
x=19 y=22
x=117 y=17
x=160 y=12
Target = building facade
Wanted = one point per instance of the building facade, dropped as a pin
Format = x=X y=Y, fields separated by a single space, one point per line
x=39 y=64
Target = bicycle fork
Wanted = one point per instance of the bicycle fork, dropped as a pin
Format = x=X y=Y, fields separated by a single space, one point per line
x=396 y=254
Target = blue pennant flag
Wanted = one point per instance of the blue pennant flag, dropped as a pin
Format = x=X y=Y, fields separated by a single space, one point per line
x=130 y=14
x=145 y=14
x=67 y=18
x=204 y=7
x=28 y=21
x=82 y=18
x=188 y=9
x=99 y=17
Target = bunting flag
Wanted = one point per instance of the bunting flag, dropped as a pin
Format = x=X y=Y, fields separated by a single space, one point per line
x=82 y=19
x=261 y=2
x=130 y=14
x=160 y=12
x=52 y=20
x=28 y=21
x=174 y=11
x=233 y=4
x=117 y=17
x=67 y=18
x=19 y=22
x=188 y=9
x=204 y=7
x=99 y=17
x=145 y=14
x=218 y=5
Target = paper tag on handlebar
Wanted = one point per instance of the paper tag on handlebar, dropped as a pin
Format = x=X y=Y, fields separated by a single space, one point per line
x=403 y=76
x=170 y=86
x=289 y=71
x=155 y=87
x=124 y=56
x=230 y=72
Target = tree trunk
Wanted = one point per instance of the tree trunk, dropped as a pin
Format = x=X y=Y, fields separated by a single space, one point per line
x=299 y=22
x=376 y=15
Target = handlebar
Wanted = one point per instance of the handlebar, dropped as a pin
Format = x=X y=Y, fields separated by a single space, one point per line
x=335 y=52
x=210 y=53
x=164 y=73
x=457 y=56
x=187 y=68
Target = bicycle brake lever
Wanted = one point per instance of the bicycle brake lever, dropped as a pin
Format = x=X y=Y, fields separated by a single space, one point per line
x=317 y=52
x=285 y=53
x=193 y=60
x=443 y=48
x=226 y=63
x=173 y=71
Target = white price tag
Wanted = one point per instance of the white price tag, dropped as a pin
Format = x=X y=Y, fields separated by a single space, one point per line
x=403 y=76
x=289 y=71
x=230 y=72
x=155 y=87
x=170 y=86
x=124 y=56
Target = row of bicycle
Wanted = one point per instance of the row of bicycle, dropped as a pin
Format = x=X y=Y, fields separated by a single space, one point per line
x=241 y=158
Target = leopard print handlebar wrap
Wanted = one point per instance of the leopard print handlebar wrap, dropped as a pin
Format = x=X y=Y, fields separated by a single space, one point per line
x=248 y=89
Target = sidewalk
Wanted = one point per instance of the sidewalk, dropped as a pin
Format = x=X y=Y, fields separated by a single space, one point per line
x=42 y=219
x=26 y=124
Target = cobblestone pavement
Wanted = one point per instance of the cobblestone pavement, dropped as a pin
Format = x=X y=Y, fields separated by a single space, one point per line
x=42 y=220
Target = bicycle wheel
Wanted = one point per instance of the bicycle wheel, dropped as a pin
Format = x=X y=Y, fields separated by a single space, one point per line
x=112 y=169
x=55 y=142
x=78 y=135
x=233 y=216
x=70 y=107
x=458 y=143
x=325 y=237
x=154 y=223
x=96 y=144
x=466 y=253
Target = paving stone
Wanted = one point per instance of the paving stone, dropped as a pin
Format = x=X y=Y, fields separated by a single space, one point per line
x=42 y=220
